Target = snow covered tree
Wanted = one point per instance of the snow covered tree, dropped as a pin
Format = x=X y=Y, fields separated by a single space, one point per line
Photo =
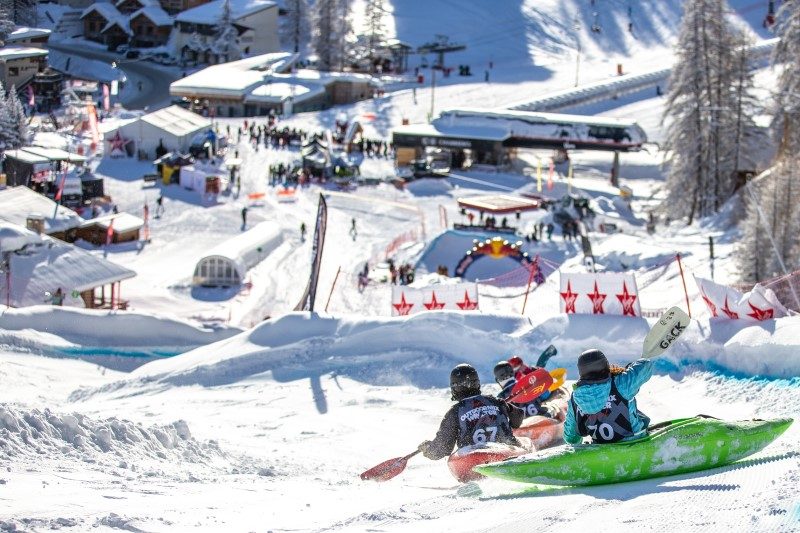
x=778 y=194
x=710 y=119
x=376 y=30
x=7 y=133
x=20 y=12
x=226 y=38
x=6 y=24
x=787 y=117
x=331 y=29
x=772 y=217
x=18 y=122
x=295 y=25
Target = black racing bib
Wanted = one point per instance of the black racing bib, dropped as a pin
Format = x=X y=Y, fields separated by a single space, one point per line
x=481 y=419
x=612 y=424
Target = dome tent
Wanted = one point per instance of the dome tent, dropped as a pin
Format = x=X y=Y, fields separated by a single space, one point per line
x=227 y=264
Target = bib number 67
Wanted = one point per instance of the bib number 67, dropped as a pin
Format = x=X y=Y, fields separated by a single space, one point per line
x=484 y=435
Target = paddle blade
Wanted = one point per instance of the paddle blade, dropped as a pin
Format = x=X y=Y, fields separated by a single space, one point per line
x=547 y=354
x=558 y=375
x=387 y=469
x=531 y=386
x=668 y=328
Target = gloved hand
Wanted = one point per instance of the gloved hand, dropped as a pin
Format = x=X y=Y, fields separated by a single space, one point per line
x=425 y=447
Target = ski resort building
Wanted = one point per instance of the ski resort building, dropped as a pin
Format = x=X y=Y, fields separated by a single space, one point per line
x=227 y=264
x=259 y=85
x=37 y=265
x=480 y=136
x=196 y=28
x=29 y=209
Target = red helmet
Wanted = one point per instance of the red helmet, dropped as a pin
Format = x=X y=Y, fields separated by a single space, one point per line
x=516 y=362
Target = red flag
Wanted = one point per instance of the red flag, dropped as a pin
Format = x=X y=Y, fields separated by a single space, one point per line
x=110 y=232
x=550 y=176
x=31 y=98
x=105 y=97
x=61 y=187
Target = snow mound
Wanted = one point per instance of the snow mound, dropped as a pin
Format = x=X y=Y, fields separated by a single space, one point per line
x=34 y=433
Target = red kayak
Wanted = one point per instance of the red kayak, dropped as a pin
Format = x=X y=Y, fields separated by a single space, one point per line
x=543 y=431
x=462 y=460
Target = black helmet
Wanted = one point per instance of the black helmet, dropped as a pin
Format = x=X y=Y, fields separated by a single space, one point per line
x=503 y=371
x=464 y=382
x=593 y=367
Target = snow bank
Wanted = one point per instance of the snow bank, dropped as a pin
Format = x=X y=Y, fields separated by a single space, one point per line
x=116 y=442
x=101 y=335
x=421 y=349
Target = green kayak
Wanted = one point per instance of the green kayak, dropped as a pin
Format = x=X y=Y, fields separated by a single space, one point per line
x=674 y=447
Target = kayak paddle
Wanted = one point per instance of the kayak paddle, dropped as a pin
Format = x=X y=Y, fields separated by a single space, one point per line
x=668 y=328
x=530 y=386
x=388 y=469
x=546 y=355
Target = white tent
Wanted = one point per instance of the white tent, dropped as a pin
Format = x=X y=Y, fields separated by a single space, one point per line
x=227 y=264
x=173 y=126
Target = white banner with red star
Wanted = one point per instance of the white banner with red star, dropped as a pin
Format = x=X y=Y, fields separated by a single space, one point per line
x=728 y=303
x=605 y=293
x=457 y=297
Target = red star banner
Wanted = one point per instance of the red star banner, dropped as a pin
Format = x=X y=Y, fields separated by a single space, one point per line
x=608 y=293
x=456 y=297
x=727 y=303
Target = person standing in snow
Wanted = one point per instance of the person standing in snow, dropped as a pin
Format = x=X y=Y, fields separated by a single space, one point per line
x=58 y=297
x=302 y=231
x=244 y=217
x=474 y=419
x=603 y=403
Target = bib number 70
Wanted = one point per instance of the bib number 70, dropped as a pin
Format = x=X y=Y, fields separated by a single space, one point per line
x=483 y=435
x=605 y=430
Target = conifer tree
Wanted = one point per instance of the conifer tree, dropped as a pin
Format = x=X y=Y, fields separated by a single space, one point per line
x=295 y=25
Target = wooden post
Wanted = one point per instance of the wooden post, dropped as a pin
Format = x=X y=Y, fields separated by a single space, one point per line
x=683 y=279
x=338 y=270
x=534 y=269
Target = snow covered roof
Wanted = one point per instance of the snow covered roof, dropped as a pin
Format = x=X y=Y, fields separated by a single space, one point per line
x=499 y=203
x=529 y=116
x=52 y=264
x=330 y=77
x=247 y=249
x=26 y=157
x=143 y=3
x=123 y=222
x=121 y=23
x=281 y=91
x=176 y=120
x=234 y=78
x=17 y=203
x=23 y=33
x=54 y=154
x=210 y=13
x=14 y=237
x=460 y=132
x=21 y=52
x=155 y=14
x=105 y=10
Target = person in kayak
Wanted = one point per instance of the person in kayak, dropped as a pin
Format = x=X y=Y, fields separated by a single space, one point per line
x=603 y=403
x=504 y=376
x=475 y=418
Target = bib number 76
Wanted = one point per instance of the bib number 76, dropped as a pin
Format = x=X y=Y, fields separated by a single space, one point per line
x=483 y=435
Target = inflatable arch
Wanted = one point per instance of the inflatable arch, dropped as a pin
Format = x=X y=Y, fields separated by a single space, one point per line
x=496 y=247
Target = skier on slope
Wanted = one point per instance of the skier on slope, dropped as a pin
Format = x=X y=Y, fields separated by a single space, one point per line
x=603 y=405
x=474 y=419
x=504 y=376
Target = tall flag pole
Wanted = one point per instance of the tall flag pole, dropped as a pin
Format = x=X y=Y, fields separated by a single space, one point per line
x=307 y=301
x=538 y=174
x=569 y=178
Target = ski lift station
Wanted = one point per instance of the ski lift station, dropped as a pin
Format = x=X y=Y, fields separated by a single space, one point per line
x=227 y=264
